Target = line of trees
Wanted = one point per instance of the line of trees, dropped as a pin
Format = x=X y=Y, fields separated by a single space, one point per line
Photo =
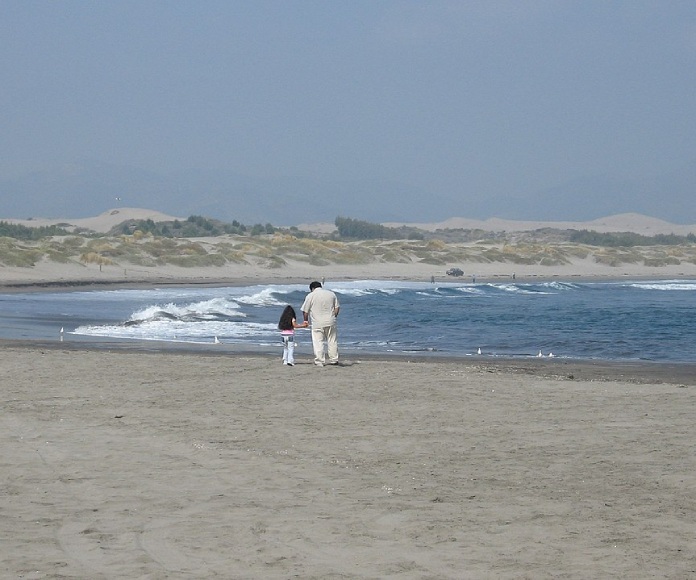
x=628 y=239
x=21 y=232
x=362 y=230
x=193 y=227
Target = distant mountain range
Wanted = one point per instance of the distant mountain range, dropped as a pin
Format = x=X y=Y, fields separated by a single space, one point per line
x=89 y=188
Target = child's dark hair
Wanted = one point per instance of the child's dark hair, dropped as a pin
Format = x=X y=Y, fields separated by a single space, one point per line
x=286 y=318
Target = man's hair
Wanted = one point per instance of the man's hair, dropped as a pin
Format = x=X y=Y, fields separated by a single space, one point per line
x=314 y=285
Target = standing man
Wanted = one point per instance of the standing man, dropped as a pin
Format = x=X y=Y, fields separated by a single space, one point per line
x=321 y=306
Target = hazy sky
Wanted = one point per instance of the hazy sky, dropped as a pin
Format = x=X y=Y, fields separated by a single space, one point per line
x=456 y=98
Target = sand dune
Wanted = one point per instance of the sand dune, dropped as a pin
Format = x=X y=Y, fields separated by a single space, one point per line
x=101 y=223
x=627 y=222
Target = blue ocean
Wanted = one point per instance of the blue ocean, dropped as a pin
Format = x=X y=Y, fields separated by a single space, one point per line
x=609 y=321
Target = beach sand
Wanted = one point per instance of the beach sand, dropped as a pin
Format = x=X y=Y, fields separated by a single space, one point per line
x=136 y=462
x=55 y=276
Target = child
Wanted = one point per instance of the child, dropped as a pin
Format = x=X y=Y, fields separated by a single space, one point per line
x=287 y=326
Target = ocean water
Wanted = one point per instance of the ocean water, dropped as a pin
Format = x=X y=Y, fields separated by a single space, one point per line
x=614 y=321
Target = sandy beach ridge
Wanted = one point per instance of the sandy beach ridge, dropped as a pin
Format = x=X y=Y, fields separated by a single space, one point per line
x=260 y=268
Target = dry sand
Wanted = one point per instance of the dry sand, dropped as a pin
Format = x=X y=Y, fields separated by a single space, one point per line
x=145 y=463
x=52 y=275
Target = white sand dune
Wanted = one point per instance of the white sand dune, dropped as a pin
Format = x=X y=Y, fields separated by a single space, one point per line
x=626 y=222
x=101 y=223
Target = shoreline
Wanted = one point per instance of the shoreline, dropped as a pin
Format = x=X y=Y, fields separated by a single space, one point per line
x=67 y=285
x=636 y=371
x=570 y=370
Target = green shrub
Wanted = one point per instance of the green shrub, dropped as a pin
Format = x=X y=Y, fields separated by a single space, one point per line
x=21 y=232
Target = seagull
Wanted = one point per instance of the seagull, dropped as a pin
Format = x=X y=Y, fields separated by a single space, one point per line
x=540 y=355
x=550 y=355
x=216 y=341
x=479 y=350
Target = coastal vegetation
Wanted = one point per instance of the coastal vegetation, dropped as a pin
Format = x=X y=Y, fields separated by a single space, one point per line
x=203 y=242
x=349 y=228
x=193 y=227
x=20 y=232
x=628 y=239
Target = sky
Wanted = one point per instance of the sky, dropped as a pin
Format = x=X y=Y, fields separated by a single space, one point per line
x=485 y=106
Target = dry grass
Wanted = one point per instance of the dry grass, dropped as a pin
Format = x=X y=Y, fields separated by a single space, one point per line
x=13 y=253
x=276 y=251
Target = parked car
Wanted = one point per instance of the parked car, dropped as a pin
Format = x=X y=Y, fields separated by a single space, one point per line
x=454 y=272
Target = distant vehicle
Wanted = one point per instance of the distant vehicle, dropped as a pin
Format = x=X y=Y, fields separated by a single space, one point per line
x=454 y=272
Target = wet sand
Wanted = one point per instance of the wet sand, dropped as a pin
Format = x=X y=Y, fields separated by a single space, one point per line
x=145 y=462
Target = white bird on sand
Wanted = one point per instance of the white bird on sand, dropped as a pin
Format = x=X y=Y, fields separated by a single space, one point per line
x=550 y=355
x=479 y=350
x=216 y=341
x=540 y=355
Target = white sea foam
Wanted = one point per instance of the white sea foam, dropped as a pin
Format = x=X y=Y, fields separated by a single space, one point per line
x=354 y=291
x=377 y=286
x=389 y=291
x=213 y=308
x=475 y=290
x=678 y=285
x=167 y=330
x=516 y=289
x=559 y=285
x=264 y=297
